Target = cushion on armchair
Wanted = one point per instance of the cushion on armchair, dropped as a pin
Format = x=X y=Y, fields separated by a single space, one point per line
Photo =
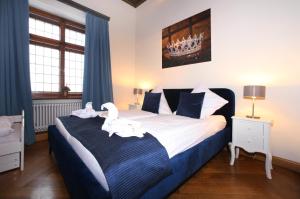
x=5 y=126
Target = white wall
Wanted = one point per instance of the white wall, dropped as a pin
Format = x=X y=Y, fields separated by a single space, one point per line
x=253 y=42
x=59 y=9
x=122 y=45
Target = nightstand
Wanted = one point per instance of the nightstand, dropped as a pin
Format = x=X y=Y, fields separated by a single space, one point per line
x=253 y=135
x=134 y=107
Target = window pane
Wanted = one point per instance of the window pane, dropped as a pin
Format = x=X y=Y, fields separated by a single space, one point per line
x=43 y=29
x=74 y=71
x=44 y=75
x=75 y=37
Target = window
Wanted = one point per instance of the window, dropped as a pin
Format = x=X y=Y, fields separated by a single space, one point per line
x=56 y=55
x=74 y=71
x=44 y=68
x=43 y=29
x=74 y=37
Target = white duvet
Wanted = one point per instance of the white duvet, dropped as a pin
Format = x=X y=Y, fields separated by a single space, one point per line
x=175 y=133
x=178 y=133
x=129 y=114
x=135 y=114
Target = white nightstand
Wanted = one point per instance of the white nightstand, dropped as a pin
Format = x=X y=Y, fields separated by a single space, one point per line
x=134 y=107
x=252 y=135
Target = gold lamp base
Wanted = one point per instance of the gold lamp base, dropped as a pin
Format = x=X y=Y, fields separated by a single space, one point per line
x=252 y=117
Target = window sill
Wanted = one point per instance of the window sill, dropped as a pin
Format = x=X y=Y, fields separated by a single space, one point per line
x=46 y=96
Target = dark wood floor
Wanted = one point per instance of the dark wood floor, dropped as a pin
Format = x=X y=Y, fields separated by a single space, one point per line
x=41 y=179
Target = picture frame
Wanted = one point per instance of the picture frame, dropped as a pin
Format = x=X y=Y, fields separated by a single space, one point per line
x=188 y=41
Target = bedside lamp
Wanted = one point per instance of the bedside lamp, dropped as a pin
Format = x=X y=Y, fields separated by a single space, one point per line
x=137 y=92
x=254 y=92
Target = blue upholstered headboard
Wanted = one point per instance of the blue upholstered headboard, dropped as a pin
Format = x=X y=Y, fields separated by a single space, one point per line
x=172 y=96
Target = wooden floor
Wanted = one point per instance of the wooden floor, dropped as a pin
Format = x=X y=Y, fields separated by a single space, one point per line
x=41 y=179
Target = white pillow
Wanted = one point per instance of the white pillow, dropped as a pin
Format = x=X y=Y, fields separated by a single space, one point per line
x=211 y=102
x=5 y=126
x=5 y=122
x=163 y=104
x=6 y=131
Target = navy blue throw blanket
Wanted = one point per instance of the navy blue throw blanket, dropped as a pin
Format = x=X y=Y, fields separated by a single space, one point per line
x=131 y=165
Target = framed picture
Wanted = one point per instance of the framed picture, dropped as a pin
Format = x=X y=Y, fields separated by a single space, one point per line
x=187 y=42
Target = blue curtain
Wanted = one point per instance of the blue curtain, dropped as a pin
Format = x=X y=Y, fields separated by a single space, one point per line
x=15 y=91
x=97 y=83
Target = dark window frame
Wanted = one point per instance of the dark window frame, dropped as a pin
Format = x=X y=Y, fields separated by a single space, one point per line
x=61 y=45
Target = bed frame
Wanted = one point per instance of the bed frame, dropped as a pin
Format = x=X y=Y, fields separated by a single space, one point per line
x=81 y=183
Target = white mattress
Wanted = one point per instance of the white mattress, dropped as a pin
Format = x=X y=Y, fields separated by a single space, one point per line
x=175 y=133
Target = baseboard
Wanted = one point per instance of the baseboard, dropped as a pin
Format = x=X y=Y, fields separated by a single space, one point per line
x=41 y=136
x=288 y=164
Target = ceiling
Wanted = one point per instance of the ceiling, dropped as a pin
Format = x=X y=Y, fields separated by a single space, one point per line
x=134 y=3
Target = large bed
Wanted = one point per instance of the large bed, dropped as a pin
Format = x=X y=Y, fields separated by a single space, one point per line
x=83 y=182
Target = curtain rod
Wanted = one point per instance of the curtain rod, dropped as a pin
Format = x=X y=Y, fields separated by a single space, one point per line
x=83 y=8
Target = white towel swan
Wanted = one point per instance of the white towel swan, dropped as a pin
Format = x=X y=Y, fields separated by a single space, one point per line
x=88 y=112
x=113 y=112
x=121 y=127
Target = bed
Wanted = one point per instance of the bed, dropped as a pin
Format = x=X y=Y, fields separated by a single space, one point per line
x=82 y=183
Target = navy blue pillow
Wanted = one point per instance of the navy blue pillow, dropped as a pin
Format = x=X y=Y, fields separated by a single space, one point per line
x=151 y=102
x=190 y=104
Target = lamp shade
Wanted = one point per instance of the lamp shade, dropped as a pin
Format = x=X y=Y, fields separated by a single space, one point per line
x=137 y=91
x=254 y=92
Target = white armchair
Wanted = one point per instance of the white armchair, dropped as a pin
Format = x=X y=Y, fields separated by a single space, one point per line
x=12 y=145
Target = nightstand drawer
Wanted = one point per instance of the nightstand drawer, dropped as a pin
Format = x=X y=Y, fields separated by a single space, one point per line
x=249 y=135
x=250 y=127
x=9 y=161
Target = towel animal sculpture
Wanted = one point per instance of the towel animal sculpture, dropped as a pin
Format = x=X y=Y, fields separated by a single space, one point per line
x=88 y=112
x=120 y=126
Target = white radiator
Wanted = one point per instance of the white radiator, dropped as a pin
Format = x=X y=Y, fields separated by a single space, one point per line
x=45 y=111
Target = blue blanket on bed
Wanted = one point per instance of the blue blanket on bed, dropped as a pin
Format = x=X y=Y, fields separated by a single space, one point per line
x=131 y=165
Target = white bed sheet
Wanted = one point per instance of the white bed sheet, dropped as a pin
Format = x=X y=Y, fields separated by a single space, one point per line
x=175 y=133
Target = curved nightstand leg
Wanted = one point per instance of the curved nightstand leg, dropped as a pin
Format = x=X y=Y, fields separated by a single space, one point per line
x=271 y=166
x=232 y=147
x=268 y=165
x=237 y=152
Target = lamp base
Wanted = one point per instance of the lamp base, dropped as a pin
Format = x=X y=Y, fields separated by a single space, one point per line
x=252 y=117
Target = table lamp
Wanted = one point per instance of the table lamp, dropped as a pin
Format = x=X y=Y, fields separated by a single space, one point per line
x=137 y=92
x=254 y=92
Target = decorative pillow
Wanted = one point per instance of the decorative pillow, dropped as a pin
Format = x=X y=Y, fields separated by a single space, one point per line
x=5 y=122
x=151 y=102
x=6 y=131
x=211 y=103
x=163 y=104
x=5 y=126
x=190 y=104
